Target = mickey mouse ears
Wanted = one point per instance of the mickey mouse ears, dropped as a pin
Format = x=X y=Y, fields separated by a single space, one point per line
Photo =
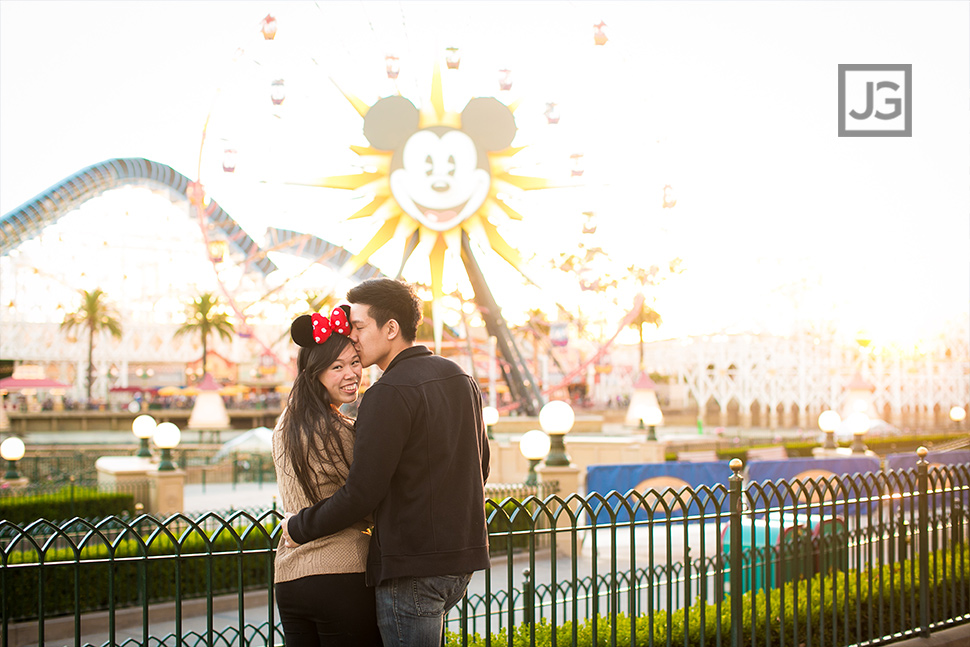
x=309 y=330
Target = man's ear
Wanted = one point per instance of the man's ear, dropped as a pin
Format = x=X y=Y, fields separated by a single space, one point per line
x=393 y=329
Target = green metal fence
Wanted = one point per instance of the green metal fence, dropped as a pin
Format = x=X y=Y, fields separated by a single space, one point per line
x=857 y=559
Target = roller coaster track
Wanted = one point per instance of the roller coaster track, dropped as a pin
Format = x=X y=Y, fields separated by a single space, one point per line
x=45 y=208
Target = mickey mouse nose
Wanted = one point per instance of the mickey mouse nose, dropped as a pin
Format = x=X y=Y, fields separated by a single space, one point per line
x=440 y=186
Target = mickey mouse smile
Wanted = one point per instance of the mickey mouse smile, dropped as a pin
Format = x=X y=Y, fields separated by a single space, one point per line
x=440 y=215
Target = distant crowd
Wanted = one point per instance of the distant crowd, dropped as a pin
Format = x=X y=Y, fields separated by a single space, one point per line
x=252 y=400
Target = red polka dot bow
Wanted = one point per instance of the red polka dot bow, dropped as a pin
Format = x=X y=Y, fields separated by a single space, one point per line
x=323 y=327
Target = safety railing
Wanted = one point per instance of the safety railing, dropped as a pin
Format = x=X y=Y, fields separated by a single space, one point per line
x=863 y=558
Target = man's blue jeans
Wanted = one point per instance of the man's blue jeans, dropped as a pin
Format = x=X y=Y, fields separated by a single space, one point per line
x=411 y=610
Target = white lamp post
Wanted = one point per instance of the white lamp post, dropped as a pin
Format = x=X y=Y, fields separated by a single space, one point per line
x=143 y=427
x=650 y=418
x=556 y=419
x=644 y=411
x=534 y=445
x=490 y=415
x=827 y=422
x=12 y=450
x=166 y=437
x=858 y=424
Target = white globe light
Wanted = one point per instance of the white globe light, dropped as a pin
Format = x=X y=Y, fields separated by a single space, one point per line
x=652 y=416
x=958 y=414
x=167 y=435
x=12 y=449
x=143 y=426
x=534 y=444
x=490 y=414
x=556 y=417
x=857 y=423
x=829 y=420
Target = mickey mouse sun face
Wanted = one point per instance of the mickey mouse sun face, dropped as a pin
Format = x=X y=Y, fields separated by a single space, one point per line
x=439 y=175
x=439 y=182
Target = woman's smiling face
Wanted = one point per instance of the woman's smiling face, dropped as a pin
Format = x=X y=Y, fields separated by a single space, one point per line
x=342 y=378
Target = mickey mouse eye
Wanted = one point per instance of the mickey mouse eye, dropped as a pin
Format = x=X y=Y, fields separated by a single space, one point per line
x=451 y=165
x=429 y=170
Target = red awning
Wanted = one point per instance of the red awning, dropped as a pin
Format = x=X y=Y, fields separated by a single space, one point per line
x=15 y=384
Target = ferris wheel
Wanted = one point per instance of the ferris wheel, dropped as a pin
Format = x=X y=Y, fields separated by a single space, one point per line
x=281 y=144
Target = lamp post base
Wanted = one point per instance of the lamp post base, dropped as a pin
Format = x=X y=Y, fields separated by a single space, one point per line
x=19 y=482
x=830 y=440
x=143 y=450
x=11 y=474
x=532 y=478
x=557 y=456
x=166 y=464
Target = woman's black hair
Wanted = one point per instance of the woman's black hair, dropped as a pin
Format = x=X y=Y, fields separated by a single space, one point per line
x=310 y=412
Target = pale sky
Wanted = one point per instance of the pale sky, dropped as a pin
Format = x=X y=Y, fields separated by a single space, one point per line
x=734 y=104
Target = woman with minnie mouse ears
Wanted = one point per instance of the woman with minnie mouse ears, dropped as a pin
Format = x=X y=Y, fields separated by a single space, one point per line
x=320 y=588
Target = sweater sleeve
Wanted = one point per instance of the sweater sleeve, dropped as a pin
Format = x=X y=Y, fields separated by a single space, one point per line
x=383 y=427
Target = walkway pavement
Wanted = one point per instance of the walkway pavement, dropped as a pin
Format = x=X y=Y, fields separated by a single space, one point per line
x=220 y=497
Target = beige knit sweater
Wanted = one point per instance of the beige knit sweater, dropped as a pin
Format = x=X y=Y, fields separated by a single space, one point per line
x=342 y=552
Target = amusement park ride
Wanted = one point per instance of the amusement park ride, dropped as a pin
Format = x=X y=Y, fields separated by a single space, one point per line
x=433 y=177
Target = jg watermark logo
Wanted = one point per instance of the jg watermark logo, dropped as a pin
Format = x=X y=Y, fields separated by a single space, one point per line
x=875 y=100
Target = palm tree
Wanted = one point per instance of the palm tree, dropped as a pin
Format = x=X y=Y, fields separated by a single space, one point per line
x=204 y=318
x=646 y=315
x=95 y=314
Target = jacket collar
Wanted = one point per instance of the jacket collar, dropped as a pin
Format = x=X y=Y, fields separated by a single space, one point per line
x=408 y=353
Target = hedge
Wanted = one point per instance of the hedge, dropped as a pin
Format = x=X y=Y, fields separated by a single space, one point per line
x=102 y=577
x=66 y=503
x=835 y=598
x=881 y=445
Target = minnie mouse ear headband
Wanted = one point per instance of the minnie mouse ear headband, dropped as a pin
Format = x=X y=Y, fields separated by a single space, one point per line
x=310 y=330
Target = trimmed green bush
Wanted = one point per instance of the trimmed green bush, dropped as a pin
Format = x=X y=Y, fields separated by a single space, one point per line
x=65 y=503
x=832 y=607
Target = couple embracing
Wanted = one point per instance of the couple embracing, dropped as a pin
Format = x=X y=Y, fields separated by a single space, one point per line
x=385 y=515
